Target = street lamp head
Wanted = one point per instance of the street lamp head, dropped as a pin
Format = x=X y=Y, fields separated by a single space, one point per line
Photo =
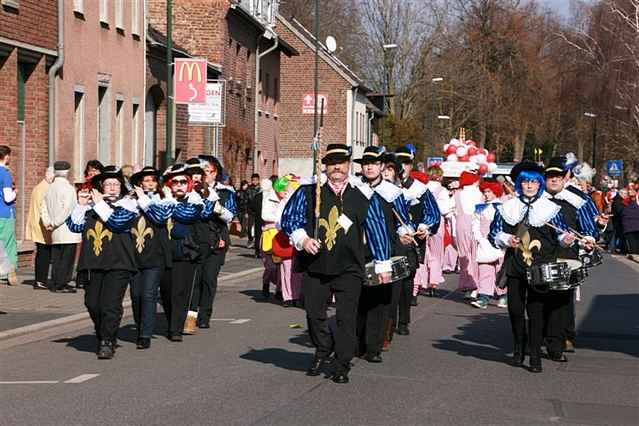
x=437 y=79
x=590 y=115
x=443 y=117
x=389 y=46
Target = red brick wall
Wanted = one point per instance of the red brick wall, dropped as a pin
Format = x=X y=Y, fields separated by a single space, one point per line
x=207 y=28
x=268 y=118
x=35 y=23
x=297 y=79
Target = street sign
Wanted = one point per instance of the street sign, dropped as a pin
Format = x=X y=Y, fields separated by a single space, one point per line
x=614 y=168
x=308 y=103
x=212 y=112
x=434 y=161
x=190 y=81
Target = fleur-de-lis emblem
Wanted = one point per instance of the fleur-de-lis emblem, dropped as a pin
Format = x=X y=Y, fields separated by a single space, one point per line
x=141 y=232
x=526 y=246
x=99 y=233
x=169 y=226
x=331 y=227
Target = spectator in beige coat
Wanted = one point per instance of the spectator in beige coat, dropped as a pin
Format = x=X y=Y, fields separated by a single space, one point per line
x=37 y=232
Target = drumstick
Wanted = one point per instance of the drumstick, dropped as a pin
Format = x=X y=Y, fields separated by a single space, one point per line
x=577 y=234
x=405 y=226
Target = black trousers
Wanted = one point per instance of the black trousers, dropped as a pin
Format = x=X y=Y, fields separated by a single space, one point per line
x=557 y=313
x=405 y=293
x=175 y=291
x=632 y=242
x=372 y=312
x=103 y=299
x=257 y=233
x=206 y=287
x=62 y=257
x=317 y=290
x=42 y=262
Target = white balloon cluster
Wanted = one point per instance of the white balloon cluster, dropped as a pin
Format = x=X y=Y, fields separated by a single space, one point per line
x=467 y=151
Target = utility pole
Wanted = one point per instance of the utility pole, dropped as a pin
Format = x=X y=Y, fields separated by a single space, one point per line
x=316 y=147
x=168 y=154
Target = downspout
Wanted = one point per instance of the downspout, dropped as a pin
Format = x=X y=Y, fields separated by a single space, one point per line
x=258 y=58
x=370 y=129
x=52 y=74
x=353 y=116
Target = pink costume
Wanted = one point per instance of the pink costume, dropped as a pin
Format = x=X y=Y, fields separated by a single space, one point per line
x=450 y=252
x=270 y=207
x=482 y=219
x=465 y=202
x=435 y=246
x=290 y=282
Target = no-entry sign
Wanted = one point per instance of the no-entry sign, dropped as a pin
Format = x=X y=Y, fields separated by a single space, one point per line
x=190 y=81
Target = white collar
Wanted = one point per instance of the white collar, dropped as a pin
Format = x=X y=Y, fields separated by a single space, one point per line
x=220 y=185
x=469 y=197
x=570 y=197
x=541 y=211
x=387 y=191
x=127 y=203
x=364 y=188
x=415 y=191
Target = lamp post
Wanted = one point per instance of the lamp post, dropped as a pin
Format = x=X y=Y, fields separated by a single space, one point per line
x=594 y=136
x=385 y=47
x=168 y=154
x=434 y=81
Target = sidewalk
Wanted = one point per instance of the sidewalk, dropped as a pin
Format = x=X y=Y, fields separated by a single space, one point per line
x=21 y=305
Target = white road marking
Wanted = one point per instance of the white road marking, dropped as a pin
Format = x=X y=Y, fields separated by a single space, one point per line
x=222 y=319
x=240 y=321
x=81 y=378
x=30 y=382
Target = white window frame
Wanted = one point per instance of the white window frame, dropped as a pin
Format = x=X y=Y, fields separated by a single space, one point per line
x=119 y=130
x=104 y=11
x=119 y=14
x=135 y=17
x=78 y=6
x=135 y=133
x=79 y=133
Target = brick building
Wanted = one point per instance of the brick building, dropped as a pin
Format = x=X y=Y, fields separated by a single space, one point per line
x=100 y=92
x=28 y=40
x=232 y=34
x=349 y=115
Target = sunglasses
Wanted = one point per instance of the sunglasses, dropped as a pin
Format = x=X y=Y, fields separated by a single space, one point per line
x=180 y=181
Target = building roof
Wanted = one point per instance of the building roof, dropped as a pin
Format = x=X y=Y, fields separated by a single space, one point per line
x=157 y=39
x=333 y=61
x=282 y=46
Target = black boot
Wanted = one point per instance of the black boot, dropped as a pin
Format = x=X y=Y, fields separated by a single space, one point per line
x=413 y=301
x=341 y=375
x=402 y=330
x=535 y=364
x=144 y=343
x=316 y=367
x=519 y=353
x=106 y=350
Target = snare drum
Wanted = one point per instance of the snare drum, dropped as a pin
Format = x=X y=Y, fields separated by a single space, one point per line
x=401 y=270
x=578 y=276
x=591 y=259
x=549 y=276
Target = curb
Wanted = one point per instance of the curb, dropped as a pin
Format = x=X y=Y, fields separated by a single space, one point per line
x=83 y=316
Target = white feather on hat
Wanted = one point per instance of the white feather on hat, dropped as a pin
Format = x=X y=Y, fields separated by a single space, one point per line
x=571 y=160
x=584 y=172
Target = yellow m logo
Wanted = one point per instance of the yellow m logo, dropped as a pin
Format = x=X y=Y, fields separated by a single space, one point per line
x=191 y=67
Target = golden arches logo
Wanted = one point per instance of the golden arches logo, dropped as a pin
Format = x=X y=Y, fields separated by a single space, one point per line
x=191 y=67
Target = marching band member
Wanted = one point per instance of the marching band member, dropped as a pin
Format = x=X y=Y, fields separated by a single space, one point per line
x=107 y=252
x=214 y=235
x=375 y=301
x=434 y=275
x=465 y=201
x=488 y=258
x=333 y=261
x=152 y=249
x=575 y=210
x=425 y=214
x=525 y=226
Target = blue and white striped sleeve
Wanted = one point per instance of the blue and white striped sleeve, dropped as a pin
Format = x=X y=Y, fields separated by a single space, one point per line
x=230 y=203
x=432 y=215
x=558 y=222
x=586 y=222
x=159 y=213
x=401 y=208
x=76 y=221
x=187 y=212
x=121 y=220
x=496 y=235
x=377 y=235
x=293 y=220
x=209 y=209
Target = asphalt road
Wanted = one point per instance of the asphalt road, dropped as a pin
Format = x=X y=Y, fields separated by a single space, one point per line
x=248 y=369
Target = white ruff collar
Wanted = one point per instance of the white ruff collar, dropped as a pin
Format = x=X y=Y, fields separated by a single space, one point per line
x=220 y=185
x=415 y=192
x=469 y=197
x=570 y=197
x=541 y=211
x=364 y=188
x=388 y=191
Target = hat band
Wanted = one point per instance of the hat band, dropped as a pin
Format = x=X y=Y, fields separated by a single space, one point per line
x=403 y=154
x=338 y=151
x=554 y=169
x=371 y=154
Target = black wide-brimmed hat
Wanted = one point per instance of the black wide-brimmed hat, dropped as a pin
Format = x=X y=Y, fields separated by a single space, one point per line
x=177 y=169
x=337 y=153
x=136 y=178
x=194 y=166
x=372 y=154
x=556 y=166
x=525 y=165
x=404 y=155
x=390 y=160
x=108 y=172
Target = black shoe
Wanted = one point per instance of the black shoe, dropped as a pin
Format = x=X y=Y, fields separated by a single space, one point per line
x=204 y=325
x=518 y=355
x=557 y=357
x=402 y=330
x=535 y=365
x=39 y=286
x=316 y=367
x=67 y=289
x=143 y=343
x=79 y=285
x=341 y=376
x=413 y=301
x=374 y=358
x=287 y=304
x=106 y=350
x=278 y=296
x=175 y=337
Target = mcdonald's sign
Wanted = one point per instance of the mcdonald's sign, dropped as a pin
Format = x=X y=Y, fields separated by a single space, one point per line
x=189 y=78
